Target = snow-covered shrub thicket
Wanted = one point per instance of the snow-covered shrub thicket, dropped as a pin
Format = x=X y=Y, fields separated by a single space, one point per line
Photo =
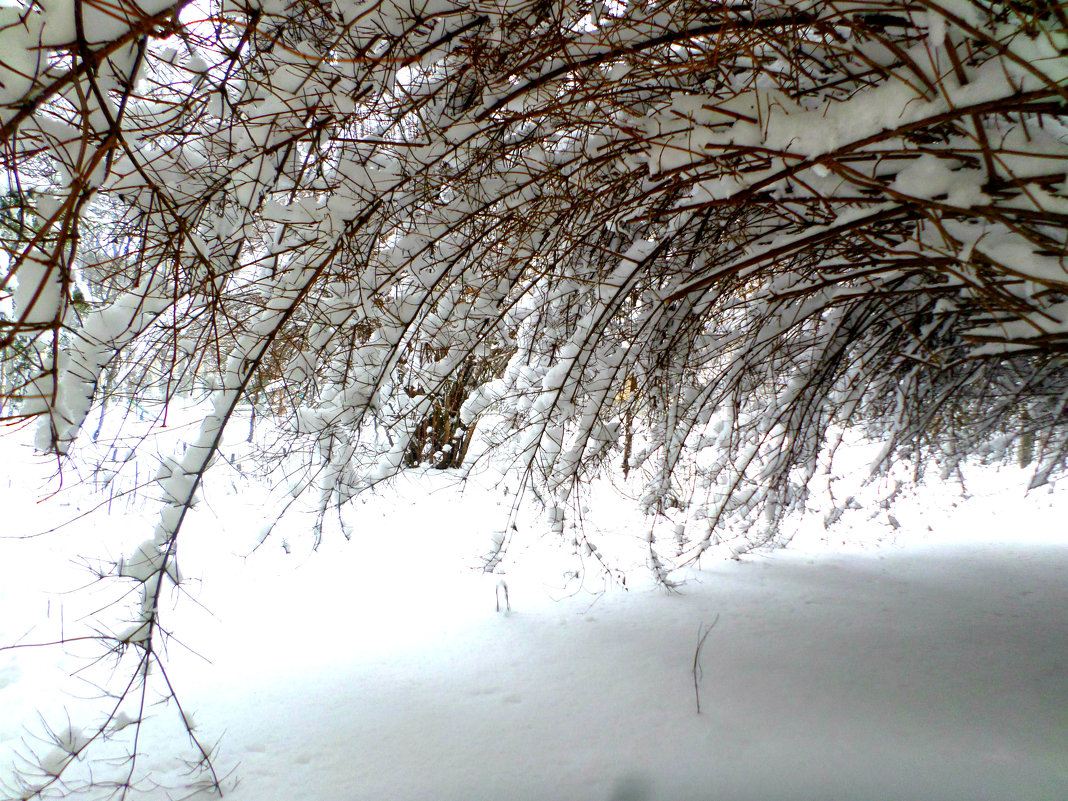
x=646 y=236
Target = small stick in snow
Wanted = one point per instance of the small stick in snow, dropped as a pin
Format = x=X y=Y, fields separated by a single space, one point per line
x=503 y=585
x=702 y=635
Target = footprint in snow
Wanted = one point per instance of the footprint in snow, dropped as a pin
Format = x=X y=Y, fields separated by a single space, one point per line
x=9 y=674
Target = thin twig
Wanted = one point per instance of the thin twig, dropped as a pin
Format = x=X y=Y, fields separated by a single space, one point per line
x=702 y=635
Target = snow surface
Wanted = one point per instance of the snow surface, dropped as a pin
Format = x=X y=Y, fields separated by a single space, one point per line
x=927 y=661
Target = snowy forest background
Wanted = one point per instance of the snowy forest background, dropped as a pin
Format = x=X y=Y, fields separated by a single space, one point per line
x=689 y=247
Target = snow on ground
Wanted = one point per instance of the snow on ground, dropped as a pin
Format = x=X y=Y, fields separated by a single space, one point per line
x=928 y=661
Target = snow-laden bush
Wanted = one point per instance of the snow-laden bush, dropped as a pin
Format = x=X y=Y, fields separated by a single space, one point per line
x=675 y=239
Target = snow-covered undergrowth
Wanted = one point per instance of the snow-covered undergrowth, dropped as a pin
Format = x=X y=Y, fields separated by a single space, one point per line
x=903 y=653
